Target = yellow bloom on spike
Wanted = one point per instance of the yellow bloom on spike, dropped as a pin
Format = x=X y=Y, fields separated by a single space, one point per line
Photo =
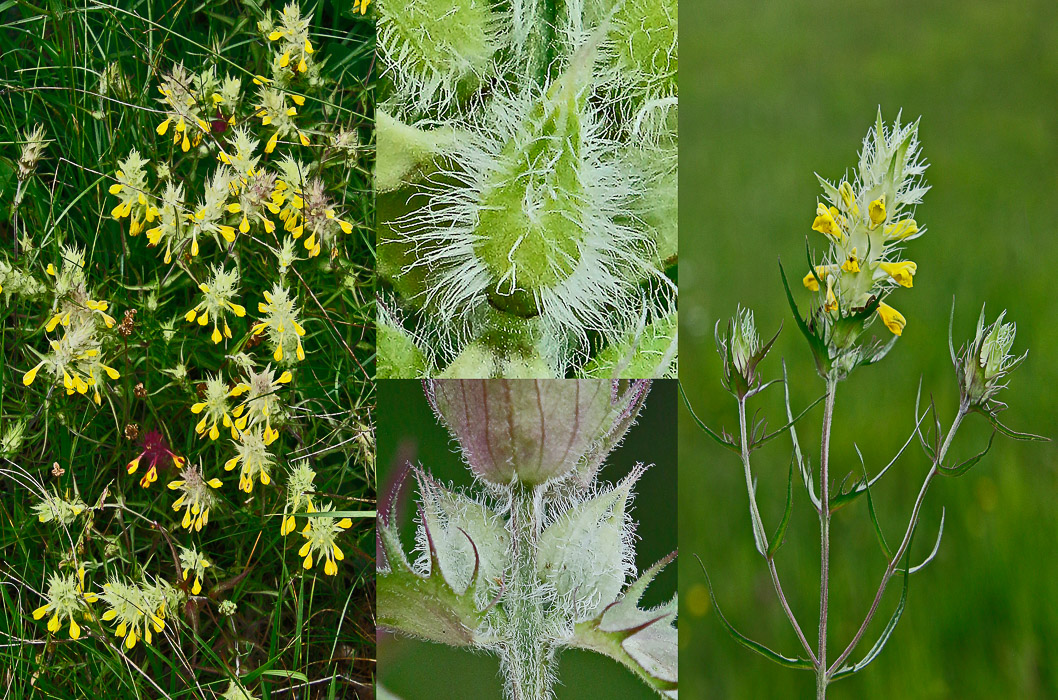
x=298 y=100
x=284 y=61
x=275 y=35
x=901 y=272
x=271 y=145
x=831 y=303
x=876 y=211
x=826 y=222
x=346 y=226
x=244 y=225
x=847 y=197
x=115 y=188
x=851 y=264
x=29 y=376
x=901 y=229
x=811 y=281
x=308 y=47
x=303 y=138
x=892 y=318
x=302 y=66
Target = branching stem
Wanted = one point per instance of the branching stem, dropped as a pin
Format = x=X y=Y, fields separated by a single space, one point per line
x=761 y=538
x=905 y=542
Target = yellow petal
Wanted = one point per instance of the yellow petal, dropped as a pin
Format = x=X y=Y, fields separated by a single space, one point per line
x=75 y=630
x=876 y=210
x=892 y=318
x=40 y=612
x=163 y=127
x=902 y=272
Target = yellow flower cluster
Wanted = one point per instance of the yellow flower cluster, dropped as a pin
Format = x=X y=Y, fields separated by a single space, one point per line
x=866 y=222
x=321 y=541
x=75 y=358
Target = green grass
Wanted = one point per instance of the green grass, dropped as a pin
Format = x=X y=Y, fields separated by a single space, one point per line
x=295 y=633
x=773 y=94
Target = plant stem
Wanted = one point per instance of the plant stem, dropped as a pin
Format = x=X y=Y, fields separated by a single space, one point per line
x=824 y=540
x=758 y=526
x=906 y=541
x=526 y=659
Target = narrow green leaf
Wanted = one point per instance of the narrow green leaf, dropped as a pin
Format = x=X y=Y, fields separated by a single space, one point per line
x=815 y=343
x=709 y=431
x=1013 y=433
x=780 y=533
x=771 y=436
x=962 y=468
x=886 y=633
x=788 y=662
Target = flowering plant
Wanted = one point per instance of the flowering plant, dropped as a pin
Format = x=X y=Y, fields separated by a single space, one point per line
x=537 y=555
x=197 y=319
x=866 y=221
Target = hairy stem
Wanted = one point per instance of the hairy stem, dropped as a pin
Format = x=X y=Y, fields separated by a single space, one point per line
x=906 y=541
x=822 y=677
x=526 y=659
x=758 y=526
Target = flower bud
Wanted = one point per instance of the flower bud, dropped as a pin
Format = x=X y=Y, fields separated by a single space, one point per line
x=741 y=351
x=985 y=362
x=533 y=431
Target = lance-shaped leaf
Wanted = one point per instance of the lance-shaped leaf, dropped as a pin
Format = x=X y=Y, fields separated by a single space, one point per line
x=963 y=467
x=780 y=532
x=782 y=660
x=423 y=606
x=1013 y=434
x=818 y=347
x=582 y=554
x=722 y=439
x=643 y=640
x=850 y=669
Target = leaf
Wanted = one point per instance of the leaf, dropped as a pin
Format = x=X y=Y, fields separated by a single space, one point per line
x=962 y=468
x=936 y=547
x=643 y=640
x=858 y=489
x=805 y=469
x=771 y=436
x=788 y=662
x=1013 y=433
x=780 y=533
x=729 y=445
x=819 y=350
x=426 y=607
x=874 y=515
x=886 y=633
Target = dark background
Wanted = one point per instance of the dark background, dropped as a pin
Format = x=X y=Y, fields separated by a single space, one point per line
x=407 y=430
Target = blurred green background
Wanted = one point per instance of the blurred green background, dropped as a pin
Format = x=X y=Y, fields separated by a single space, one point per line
x=407 y=431
x=774 y=92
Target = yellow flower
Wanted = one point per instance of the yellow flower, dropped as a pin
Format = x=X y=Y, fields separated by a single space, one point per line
x=826 y=222
x=361 y=5
x=831 y=303
x=321 y=541
x=811 y=281
x=901 y=272
x=901 y=229
x=851 y=264
x=196 y=499
x=876 y=211
x=892 y=318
